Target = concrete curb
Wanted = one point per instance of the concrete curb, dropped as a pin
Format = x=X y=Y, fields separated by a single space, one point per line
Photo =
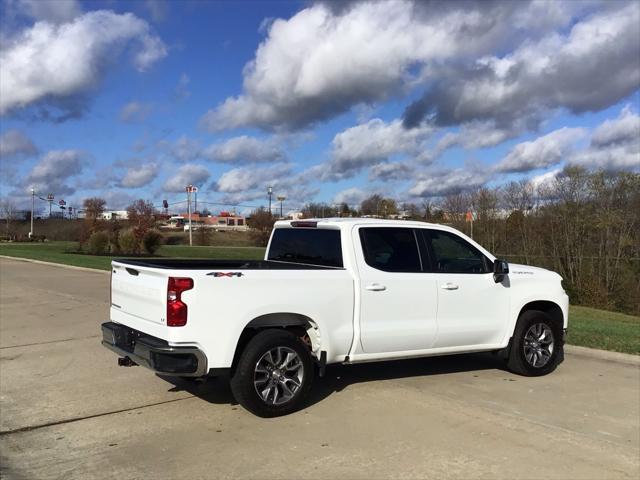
x=617 y=357
x=52 y=264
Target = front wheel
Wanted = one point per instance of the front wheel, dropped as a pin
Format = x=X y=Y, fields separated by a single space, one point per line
x=274 y=374
x=536 y=347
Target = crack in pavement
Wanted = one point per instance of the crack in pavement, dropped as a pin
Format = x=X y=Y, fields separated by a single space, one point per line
x=49 y=341
x=87 y=417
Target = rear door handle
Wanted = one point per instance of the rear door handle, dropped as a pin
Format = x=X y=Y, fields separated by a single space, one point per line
x=449 y=286
x=375 y=287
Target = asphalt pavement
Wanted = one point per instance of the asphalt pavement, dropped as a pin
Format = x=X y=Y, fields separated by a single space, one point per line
x=67 y=411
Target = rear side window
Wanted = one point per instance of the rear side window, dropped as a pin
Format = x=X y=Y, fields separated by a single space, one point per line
x=312 y=246
x=391 y=249
x=453 y=254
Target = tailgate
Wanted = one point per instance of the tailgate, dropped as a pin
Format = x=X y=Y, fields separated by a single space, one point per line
x=139 y=291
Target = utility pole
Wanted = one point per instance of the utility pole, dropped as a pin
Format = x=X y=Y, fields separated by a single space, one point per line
x=33 y=206
x=189 y=190
x=281 y=198
x=270 y=193
x=50 y=200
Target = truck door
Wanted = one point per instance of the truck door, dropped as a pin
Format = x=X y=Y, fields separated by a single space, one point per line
x=398 y=299
x=472 y=308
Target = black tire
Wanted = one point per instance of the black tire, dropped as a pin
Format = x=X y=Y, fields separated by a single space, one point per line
x=521 y=363
x=242 y=382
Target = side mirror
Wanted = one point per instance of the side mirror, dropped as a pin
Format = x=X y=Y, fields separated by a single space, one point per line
x=500 y=269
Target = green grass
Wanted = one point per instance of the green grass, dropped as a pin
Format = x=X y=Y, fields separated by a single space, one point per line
x=63 y=252
x=590 y=327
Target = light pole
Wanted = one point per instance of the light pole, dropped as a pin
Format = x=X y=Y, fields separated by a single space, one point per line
x=281 y=198
x=50 y=200
x=33 y=206
x=189 y=190
x=270 y=193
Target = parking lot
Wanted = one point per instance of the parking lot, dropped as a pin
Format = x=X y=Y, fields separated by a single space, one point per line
x=68 y=411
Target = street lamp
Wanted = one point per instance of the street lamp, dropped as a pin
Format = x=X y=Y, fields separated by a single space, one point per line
x=270 y=193
x=33 y=207
x=50 y=200
x=190 y=189
x=281 y=198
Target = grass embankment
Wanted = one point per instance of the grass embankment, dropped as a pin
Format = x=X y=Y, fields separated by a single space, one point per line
x=588 y=327
x=63 y=252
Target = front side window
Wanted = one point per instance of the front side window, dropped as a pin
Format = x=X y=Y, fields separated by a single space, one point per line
x=307 y=245
x=390 y=249
x=453 y=254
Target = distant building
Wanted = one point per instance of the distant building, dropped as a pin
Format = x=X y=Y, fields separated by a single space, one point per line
x=222 y=221
x=114 y=215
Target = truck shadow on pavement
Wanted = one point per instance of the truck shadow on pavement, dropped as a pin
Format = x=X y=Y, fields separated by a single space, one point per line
x=338 y=377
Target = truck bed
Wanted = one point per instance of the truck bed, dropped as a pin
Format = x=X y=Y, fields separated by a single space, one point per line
x=208 y=264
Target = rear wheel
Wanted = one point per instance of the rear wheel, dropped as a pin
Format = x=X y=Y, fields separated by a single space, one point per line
x=274 y=374
x=536 y=347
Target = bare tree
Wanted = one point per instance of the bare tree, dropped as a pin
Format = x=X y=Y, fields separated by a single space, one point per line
x=261 y=223
x=8 y=209
x=93 y=209
x=142 y=218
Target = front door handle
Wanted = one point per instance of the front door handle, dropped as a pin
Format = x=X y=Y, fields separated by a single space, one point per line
x=449 y=286
x=375 y=287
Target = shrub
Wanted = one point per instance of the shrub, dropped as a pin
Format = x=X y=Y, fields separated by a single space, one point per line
x=129 y=244
x=98 y=242
x=152 y=241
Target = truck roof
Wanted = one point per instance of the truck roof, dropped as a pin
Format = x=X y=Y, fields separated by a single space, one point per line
x=344 y=221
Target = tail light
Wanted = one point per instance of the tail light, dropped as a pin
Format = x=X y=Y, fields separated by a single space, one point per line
x=176 y=308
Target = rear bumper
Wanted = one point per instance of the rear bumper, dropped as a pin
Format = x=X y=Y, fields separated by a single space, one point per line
x=154 y=353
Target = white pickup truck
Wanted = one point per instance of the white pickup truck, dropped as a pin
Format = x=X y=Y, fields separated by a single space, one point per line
x=332 y=291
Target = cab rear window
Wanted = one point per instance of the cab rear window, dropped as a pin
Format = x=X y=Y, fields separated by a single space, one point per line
x=312 y=246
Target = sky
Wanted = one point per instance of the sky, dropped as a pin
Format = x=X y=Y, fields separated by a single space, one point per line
x=323 y=101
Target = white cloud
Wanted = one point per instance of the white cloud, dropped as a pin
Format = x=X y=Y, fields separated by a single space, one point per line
x=449 y=182
x=134 y=112
x=616 y=157
x=14 y=143
x=591 y=67
x=55 y=63
x=330 y=57
x=615 y=144
x=545 y=179
x=185 y=175
x=185 y=149
x=246 y=179
x=244 y=149
x=153 y=49
x=623 y=129
x=392 y=171
x=117 y=199
x=139 y=176
x=350 y=196
x=371 y=143
x=53 y=170
x=545 y=151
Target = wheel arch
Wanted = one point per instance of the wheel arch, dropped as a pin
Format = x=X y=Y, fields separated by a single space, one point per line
x=299 y=324
x=547 y=306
